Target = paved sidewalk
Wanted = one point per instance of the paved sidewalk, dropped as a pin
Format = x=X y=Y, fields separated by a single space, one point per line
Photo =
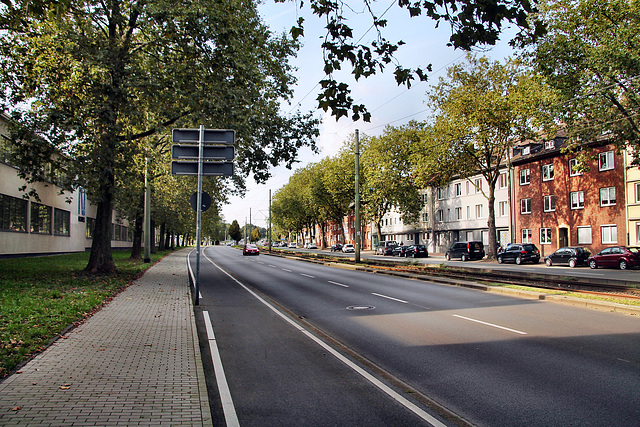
x=135 y=362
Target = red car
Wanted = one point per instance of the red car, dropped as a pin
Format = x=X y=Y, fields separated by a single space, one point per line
x=250 y=250
x=621 y=257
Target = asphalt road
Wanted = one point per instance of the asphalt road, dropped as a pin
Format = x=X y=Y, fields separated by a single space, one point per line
x=490 y=359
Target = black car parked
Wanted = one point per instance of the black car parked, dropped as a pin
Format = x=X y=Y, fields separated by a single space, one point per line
x=336 y=248
x=519 y=253
x=417 y=251
x=465 y=251
x=570 y=255
x=400 y=251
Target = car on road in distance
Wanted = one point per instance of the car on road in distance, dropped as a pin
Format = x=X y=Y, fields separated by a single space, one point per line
x=336 y=248
x=348 y=248
x=621 y=257
x=465 y=250
x=400 y=251
x=250 y=249
x=386 y=247
x=292 y=245
x=519 y=253
x=417 y=251
x=311 y=246
x=572 y=256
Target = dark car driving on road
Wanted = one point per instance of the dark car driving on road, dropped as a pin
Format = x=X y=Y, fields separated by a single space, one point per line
x=519 y=253
x=621 y=257
x=465 y=251
x=569 y=255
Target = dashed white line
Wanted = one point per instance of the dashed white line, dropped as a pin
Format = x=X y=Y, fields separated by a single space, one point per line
x=285 y=269
x=339 y=284
x=493 y=325
x=308 y=275
x=272 y=266
x=391 y=298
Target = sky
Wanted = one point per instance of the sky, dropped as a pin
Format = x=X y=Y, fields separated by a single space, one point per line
x=388 y=103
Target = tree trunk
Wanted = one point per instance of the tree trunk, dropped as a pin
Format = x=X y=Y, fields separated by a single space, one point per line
x=101 y=257
x=491 y=223
x=136 y=249
x=161 y=243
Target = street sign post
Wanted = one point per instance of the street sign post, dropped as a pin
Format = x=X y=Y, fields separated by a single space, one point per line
x=201 y=152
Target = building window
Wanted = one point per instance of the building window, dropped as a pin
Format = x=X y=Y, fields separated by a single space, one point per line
x=525 y=206
x=549 y=203
x=458 y=214
x=609 y=234
x=549 y=145
x=91 y=225
x=440 y=215
x=478 y=186
x=504 y=182
x=478 y=211
x=61 y=222
x=13 y=213
x=442 y=193
x=637 y=186
x=584 y=235
x=525 y=177
x=605 y=161
x=425 y=216
x=545 y=236
x=40 y=218
x=503 y=208
x=547 y=172
x=637 y=232
x=573 y=168
x=577 y=200
x=526 y=151
x=608 y=196
x=526 y=235
x=458 y=189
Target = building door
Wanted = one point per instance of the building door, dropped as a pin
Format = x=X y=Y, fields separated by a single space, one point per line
x=563 y=237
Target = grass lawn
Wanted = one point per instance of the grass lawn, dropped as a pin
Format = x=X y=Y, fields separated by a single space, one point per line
x=42 y=296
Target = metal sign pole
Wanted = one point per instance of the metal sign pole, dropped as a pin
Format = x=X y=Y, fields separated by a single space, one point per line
x=199 y=216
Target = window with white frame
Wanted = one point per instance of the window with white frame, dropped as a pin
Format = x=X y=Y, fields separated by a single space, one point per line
x=504 y=182
x=525 y=234
x=525 y=206
x=549 y=203
x=478 y=211
x=478 y=185
x=525 y=177
x=608 y=196
x=549 y=145
x=577 y=200
x=605 y=161
x=637 y=232
x=547 y=172
x=440 y=215
x=440 y=193
x=545 y=236
x=526 y=151
x=573 y=168
x=458 y=189
x=458 y=214
x=503 y=209
x=609 y=233
x=425 y=216
x=584 y=235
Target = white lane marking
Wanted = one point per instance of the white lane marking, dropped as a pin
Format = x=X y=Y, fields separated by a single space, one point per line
x=228 y=408
x=307 y=275
x=490 y=324
x=339 y=284
x=260 y=262
x=285 y=269
x=391 y=298
x=272 y=266
x=373 y=380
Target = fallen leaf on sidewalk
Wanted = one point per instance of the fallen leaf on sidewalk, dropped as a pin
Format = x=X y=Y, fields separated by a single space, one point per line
x=65 y=387
x=17 y=408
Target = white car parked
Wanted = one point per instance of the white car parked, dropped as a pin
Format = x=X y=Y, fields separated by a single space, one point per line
x=348 y=248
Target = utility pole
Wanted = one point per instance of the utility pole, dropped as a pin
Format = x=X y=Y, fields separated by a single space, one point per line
x=250 y=226
x=357 y=185
x=270 y=239
x=147 y=213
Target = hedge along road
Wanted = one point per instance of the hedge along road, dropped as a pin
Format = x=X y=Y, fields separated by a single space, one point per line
x=491 y=359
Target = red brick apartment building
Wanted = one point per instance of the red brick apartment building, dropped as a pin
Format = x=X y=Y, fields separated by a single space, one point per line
x=555 y=205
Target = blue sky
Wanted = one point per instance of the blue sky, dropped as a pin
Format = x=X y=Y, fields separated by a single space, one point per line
x=388 y=103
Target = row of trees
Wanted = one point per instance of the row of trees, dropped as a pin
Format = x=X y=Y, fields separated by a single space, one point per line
x=581 y=78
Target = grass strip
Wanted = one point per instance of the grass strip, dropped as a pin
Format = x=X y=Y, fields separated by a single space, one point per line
x=40 y=297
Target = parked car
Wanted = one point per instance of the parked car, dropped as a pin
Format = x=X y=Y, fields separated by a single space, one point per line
x=386 y=248
x=417 y=251
x=292 y=245
x=465 y=251
x=336 y=248
x=250 y=249
x=621 y=257
x=569 y=255
x=400 y=251
x=519 y=253
x=311 y=245
x=348 y=248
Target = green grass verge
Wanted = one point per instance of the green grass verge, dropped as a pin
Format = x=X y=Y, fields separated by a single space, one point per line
x=42 y=296
x=620 y=300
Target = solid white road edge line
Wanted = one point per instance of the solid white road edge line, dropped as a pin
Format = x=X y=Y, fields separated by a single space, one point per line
x=228 y=408
x=490 y=324
x=391 y=298
x=373 y=380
